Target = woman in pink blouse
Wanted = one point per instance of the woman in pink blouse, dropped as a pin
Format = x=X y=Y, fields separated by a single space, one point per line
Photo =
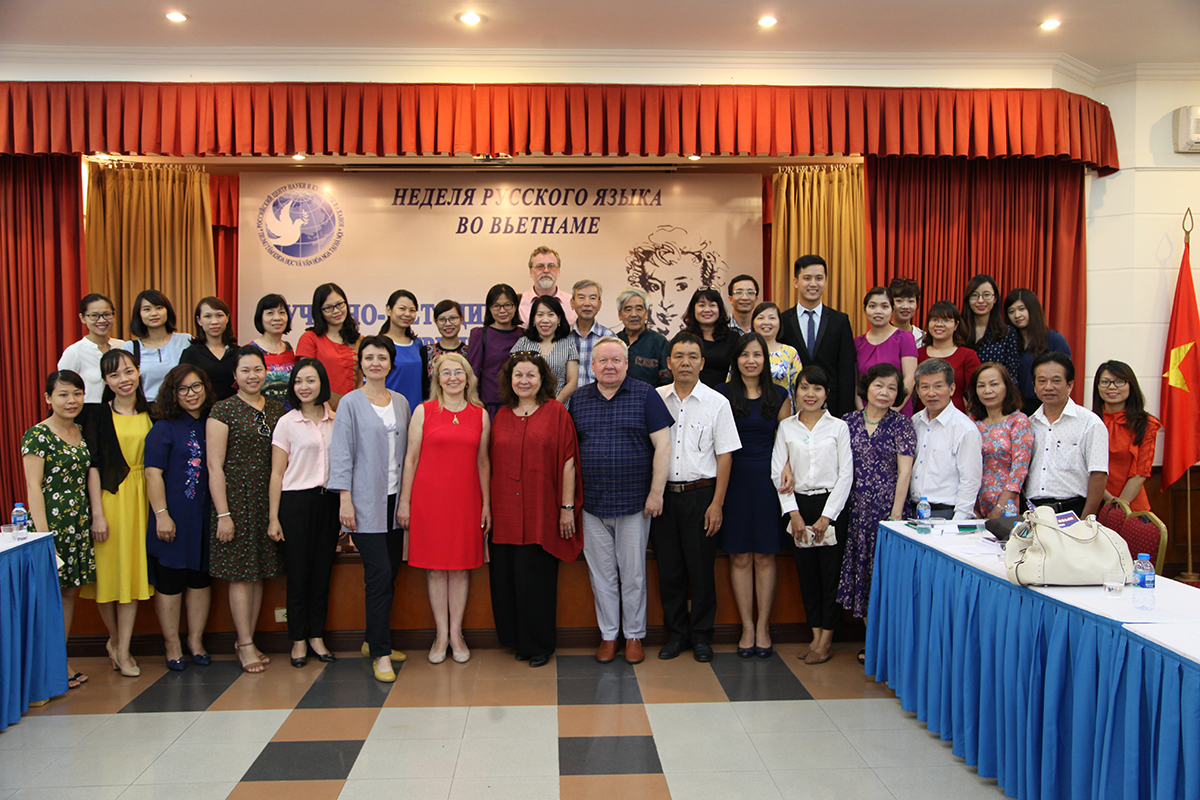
x=994 y=402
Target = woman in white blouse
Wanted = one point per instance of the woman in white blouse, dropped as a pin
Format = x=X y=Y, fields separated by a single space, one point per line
x=816 y=445
x=96 y=314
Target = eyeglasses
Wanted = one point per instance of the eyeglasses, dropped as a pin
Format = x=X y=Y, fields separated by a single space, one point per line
x=458 y=373
x=1112 y=383
x=335 y=307
x=502 y=306
x=97 y=317
x=260 y=419
x=194 y=388
x=450 y=320
x=981 y=296
x=744 y=293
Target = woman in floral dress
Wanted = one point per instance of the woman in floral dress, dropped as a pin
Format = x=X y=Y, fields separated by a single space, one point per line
x=994 y=402
x=56 y=462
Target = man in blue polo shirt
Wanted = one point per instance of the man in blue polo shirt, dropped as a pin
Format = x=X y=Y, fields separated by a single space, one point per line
x=624 y=452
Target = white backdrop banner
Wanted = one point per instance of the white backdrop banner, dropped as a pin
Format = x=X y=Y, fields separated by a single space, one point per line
x=452 y=236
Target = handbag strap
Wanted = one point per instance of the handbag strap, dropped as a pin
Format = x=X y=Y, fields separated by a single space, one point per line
x=1063 y=531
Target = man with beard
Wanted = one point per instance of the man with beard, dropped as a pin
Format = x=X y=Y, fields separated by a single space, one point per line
x=544 y=268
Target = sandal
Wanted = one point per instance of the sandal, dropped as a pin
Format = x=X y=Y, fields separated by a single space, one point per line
x=253 y=667
x=862 y=656
x=76 y=680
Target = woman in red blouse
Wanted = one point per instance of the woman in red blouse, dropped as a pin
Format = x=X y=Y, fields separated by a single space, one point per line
x=1117 y=398
x=332 y=340
x=946 y=338
x=536 y=504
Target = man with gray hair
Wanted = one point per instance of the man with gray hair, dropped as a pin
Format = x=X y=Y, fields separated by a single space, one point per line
x=948 y=468
x=586 y=331
x=544 y=268
x=647 y=348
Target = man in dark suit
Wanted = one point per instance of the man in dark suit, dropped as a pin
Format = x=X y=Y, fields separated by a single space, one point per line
x=822 y=335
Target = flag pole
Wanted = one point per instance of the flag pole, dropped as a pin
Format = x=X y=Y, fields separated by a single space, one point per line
x=1190 y=576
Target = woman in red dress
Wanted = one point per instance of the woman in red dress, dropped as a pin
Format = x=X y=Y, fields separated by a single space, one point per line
x=537 y=500
x=444 y=500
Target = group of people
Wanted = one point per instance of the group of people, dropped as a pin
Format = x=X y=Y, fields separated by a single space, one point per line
x=172 y=459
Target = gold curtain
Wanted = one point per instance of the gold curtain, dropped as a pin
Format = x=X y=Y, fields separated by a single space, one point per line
x=149 y=227
x=819 y=210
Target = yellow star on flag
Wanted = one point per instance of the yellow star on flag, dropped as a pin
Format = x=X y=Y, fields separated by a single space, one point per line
x=1174 y=375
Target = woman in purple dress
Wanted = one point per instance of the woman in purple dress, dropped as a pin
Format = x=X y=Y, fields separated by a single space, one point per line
x=884 y=343
x=884 y=443
x=489 y=346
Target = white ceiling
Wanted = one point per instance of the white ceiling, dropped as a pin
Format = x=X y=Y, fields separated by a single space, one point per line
x=1103 y=34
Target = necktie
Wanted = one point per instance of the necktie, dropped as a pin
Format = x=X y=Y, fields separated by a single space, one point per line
x=811 y=339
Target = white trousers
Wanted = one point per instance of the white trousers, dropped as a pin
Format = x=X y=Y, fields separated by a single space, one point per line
x=615 y=549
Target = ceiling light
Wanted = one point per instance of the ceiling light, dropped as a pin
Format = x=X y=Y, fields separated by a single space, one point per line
x=299 y=157
x=767 y=21
x=470 y=18
x=693 y=158
x=177 y=16
x=1050 y=24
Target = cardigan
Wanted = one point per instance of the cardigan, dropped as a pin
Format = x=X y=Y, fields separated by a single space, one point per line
x=358 y=457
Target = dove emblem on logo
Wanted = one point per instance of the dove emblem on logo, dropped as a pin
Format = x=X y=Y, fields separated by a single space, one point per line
x=300 y=224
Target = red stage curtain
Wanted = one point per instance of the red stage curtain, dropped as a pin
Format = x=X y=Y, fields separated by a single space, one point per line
x=941 y=221
x=41 y=281
x=394 y=119
x=223 y=191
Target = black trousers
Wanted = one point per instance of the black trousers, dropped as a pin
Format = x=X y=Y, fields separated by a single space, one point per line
x=524 y=583
x=310 y=532
x=685 y=559
x=1063 y=504
x=819 y=569
x=382 y=554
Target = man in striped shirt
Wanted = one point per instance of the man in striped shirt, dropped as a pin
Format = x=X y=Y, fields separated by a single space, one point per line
x=585 y=331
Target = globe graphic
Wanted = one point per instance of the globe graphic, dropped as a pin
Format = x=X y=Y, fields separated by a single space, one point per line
x=319 y=227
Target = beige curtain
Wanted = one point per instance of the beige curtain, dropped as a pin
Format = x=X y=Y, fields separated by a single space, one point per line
x=149 y=227
x=819 y=209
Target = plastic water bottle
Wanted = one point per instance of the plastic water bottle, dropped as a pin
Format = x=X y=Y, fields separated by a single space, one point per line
x=20 y=520
x=1143 y=582
x=1010 y=508
x=924 y=514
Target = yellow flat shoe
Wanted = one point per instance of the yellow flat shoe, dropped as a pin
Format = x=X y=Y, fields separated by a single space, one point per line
x=385 y=677
x=396 y=654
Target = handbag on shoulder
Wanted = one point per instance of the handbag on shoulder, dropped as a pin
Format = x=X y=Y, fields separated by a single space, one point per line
x=1043 y=553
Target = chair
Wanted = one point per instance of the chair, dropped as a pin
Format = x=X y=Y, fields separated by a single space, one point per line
x=1113 y=513
x=1145 y=533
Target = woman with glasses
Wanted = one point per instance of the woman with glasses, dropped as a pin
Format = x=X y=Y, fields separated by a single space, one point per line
x=1117 y=398
x=490 y=345
x=157 y=348
x=332 y=340
x=988 y=334
x=177 y=535
x=239 y=475
x=214 y=348
x=448 y=317
x=83 y=357
x=273 y=321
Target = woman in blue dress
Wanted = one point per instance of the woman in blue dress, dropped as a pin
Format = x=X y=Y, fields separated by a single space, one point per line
x=752 y=523
x=177 y=534
x=410 y=373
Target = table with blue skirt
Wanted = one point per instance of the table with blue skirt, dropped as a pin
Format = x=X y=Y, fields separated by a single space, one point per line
x=33 y=650
x=1057 y=693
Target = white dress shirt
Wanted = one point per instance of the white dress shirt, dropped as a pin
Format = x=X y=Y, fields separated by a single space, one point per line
x=919 y=336
x=948 y=468
x=821 y=460
x=1066 y=453
x=802 y=319
x=703 y=429
x=84 y=357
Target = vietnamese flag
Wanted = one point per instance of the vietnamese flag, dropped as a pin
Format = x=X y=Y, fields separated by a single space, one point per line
x=1181 y=380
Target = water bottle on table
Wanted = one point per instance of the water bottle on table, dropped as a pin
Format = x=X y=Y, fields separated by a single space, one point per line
x=1010 y=508
x=20 y=521
x=1143 y=582
x=924 y=516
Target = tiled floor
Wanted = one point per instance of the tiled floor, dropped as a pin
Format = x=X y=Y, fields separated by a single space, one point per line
x=491 y=728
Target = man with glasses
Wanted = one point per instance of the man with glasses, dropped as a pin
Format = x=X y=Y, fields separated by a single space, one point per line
x=743 y=297
x=544 y=268
x=586 y=331
x=1070 y=444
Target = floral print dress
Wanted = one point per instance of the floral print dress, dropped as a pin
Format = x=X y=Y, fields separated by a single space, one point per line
x=64 y=491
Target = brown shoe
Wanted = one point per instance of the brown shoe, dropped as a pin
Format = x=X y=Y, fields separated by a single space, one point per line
x=607 y=651
x=634 y=654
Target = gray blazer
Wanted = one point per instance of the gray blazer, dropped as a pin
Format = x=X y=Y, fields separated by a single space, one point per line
x=358 y=457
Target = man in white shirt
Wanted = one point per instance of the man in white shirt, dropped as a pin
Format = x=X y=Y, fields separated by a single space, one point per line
x=585 y=331
x=948 y=468
x=743 y=297
x=1070 y=443
x=544 y=268
x=703 y=439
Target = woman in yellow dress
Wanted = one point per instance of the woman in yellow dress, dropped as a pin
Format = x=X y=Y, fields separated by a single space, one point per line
x=116 y=435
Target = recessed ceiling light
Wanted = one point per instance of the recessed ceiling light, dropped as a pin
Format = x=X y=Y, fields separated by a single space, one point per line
x=177 y=16
x=299 y=157
x=767 y=21
x=470 y=18
x=693 y=158
x=1050 y=24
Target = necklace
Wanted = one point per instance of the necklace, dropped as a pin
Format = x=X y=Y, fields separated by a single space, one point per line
x=870 y=421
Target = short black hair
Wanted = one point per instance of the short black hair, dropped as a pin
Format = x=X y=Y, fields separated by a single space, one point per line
x=155 y=298
x=445 y=305
x=808 y=261
x=67 y=376
x=322 y=396
x=88 y=299
x=551 y=302
x=494 y=294
x=200 y=336
x=905 y=287
x=250 y=350
x=814 y=376
x=744 y=277
x=685 y=337
x=884 y=369
x=382 y=342
x=268 y=302
x=1055 y=357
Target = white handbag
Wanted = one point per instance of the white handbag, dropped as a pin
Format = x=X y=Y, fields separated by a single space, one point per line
x=1042 y=553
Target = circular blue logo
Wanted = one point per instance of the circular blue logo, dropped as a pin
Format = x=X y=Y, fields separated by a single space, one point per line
x=300 y=224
